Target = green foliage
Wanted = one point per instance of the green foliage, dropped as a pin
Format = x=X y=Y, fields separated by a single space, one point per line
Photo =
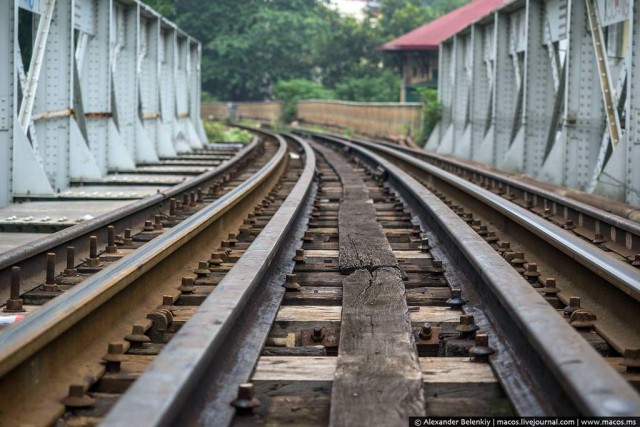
x=218 y=132
x=292 y=91
x=383 y=88
x=431 y=110
x=249 y=46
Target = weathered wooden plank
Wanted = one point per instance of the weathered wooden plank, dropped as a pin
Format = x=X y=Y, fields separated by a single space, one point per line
x=317 y=313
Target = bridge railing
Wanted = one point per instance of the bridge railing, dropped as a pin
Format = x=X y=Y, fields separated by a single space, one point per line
x=371 y=119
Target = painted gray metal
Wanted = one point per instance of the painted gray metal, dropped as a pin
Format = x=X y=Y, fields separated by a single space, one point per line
x=110 y=85
x=550 y=104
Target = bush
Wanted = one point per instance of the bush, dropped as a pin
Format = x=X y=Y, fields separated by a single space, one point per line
x=292 y=91
x=383 y=88
x=431 y=110
x=218 y=132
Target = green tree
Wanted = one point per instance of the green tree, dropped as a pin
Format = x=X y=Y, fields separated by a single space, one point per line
x=292 y=91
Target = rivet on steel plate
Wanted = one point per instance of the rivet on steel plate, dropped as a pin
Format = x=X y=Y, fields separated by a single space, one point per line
x=71 y=262
x=456 y=301
x=111 y=240
x=582 y=319
x=114 y=357
x=50 y=281
x=14 y=303
x=137 y=338
x=77 y=398
x=300 y=258
x=246 y=400
x=481 y=351
x=574 y=304
x=187 y=286
x=467 y=326
x=290 y=284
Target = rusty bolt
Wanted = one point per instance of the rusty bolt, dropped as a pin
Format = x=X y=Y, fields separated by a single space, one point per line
x=114 y=357
x=232 y=239
x=491 y=237
x=127 y=236
x=300 y=258
x=531 y=273
x=456 y=301
x=599 y=239
x=192 y=199
x=467 y=326
x=50 y=282
x=481 y=351
x=137 y=338
x=14 y=303
x=582 y=319
x=71 y=262
x=187 y=286
x=111 y=240
x=425 y=331
x=172 y=208
x=547 y=213
x=317 y=335
x=424 y=245
x=574 y=304
x=308 y=237
x=246 y=400
x=157 y=222
x=290 y=283
x=199 y=198
x=504 y=247
x=216 y=259
x=636 y=261
x=148 y=226
x=77 y=398
x=93 y=247
x=550 y=289
x=202 y=270
x=569 y=225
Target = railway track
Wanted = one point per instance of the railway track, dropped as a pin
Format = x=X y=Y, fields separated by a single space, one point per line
x=356 y=296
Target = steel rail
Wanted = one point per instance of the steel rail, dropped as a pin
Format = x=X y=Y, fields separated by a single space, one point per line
x=30 y=257
x=223 y=324
x=608 y=287
x=564 y=368
x=23 y=344
x=620 y=229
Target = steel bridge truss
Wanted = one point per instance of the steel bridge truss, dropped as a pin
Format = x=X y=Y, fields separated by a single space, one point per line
x=548 y=88
x=110 y=84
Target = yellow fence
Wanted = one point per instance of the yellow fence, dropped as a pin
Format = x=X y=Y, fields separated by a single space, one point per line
x=260 y=111
x=371 y=119
x=214 y=110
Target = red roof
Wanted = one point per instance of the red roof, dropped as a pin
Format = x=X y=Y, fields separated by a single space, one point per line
x=430 y=35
